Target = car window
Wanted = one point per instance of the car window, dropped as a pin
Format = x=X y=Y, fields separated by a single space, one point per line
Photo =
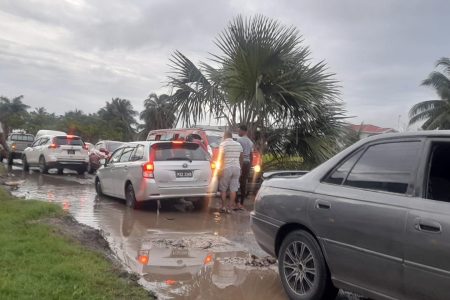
x=214 y=138
x=340 y=173
x=126 y=154
x=43 y=141
x=115 y=157
x=68 y=140
x=36 y=143
x=138 y=153
x=183 y=151
x=386 y=167
x=111 y=146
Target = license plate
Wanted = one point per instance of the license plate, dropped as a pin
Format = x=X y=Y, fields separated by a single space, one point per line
x=70 y=151
x=183 y=173
x=179 y=252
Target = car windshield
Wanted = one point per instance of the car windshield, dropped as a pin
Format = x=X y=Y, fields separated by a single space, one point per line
x=112 y=146
x=69 y=140
x=184 y=151
x=22 y=137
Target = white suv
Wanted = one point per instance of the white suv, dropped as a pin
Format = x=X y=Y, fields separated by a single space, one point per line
x=57 y=151
x=141 y=171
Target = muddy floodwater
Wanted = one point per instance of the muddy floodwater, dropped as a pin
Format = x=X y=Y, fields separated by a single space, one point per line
x=178 y=251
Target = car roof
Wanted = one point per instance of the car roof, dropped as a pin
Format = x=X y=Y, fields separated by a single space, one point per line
x=409 y=134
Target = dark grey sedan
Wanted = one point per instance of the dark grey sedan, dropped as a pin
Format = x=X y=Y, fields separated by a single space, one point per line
x=374 y=219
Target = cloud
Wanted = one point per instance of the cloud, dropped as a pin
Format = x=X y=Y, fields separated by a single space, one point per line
x=78 y=54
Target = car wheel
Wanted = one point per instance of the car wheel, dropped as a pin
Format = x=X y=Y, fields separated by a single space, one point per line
x=81 y=171
x=43 y=165
x=25 y=165
x=201 y=203
x=98 y=187
x=303 y=270
x=130 y=197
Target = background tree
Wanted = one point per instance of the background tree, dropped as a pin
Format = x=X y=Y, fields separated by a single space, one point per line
x=264 y=78
x=120 y=116
x=158 y=113
x=12 y=113
x=435 y=113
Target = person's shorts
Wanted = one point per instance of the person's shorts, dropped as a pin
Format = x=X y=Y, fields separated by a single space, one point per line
x=230 y=179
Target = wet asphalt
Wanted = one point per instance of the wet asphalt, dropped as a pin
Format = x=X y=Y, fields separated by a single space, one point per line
x=179 y=252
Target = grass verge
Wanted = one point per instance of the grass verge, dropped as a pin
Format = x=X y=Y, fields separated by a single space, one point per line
x=38 y=262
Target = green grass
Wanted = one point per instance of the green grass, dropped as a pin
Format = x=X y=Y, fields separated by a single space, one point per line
x=37 y=263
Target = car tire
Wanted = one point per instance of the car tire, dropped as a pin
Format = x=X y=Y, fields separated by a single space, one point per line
x=43 y=165
x=81 y=171
x=98 y=187
x=201 y=203
x=303 y=270
x=130 y=197
x=25 y=165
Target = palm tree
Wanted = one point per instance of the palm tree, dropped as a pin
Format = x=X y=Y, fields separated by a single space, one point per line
x=264 y=78
x=435 y=113
x=158 y=113
x=119 y=114
x=12 y=113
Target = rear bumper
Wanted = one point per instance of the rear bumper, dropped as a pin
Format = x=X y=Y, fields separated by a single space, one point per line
x=265 y=233
x=151 y=191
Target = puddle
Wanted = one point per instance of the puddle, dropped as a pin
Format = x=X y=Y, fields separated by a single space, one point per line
x=179 y=253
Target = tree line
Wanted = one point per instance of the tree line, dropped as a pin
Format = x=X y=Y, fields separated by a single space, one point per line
x=117 y=120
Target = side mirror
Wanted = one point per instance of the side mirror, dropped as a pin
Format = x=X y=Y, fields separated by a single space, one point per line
x=102 y=162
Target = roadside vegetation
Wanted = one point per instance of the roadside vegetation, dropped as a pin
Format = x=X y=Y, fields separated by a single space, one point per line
x=39 y=263
x=435 y=113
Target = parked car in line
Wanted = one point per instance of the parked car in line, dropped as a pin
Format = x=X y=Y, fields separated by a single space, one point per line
x=141 y=171
x=101 y=150
x=374 y=219
x=57 y=151
x=212 y=139
x=17 y=142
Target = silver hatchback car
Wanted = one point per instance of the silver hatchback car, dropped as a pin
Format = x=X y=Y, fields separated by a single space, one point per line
x=142 y=171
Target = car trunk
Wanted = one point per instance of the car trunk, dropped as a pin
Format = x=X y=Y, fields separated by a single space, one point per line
x=69 y=147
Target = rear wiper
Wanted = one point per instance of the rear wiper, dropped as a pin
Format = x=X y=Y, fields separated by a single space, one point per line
x=180 y=158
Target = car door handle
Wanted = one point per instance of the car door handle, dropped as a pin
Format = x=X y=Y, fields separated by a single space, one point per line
x=428 y=226
x=323 y=204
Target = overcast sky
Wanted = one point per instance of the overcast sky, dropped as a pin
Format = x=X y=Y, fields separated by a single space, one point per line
x=77 y=54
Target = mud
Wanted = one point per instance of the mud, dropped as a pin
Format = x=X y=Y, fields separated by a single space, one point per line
x=178 y=252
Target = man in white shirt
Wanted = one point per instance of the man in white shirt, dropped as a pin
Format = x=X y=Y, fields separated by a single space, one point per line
x=230 y=155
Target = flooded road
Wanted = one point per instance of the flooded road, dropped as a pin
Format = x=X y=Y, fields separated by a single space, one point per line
x=178 y=251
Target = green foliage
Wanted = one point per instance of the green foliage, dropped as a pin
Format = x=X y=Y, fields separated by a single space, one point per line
x=266 y=80
x=37 y=263
x=158 y=113
x=12 y=112
x=435 y=113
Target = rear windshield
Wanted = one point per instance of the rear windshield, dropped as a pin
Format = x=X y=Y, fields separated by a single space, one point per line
x=65 y=140
x=112 y=146
x=22 y=137
x=184 y=151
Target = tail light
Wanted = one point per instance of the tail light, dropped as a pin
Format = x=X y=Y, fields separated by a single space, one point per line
x=208 y=259
x=53 y=146
x=177 y=142
x=148 y=170
x=170 y=282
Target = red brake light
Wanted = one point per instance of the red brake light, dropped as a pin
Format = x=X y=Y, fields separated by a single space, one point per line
x=143 y=259
x=170 y=282
x=177 y=142
x=53 y=146
x=148 y=169
x=208 y=259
